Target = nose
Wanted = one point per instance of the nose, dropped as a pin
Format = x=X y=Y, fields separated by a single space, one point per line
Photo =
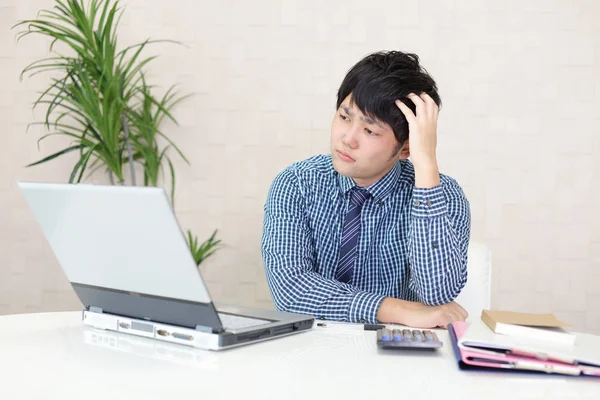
x=350 y=138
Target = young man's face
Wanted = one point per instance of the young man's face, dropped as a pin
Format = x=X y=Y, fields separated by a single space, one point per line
x=361 y=148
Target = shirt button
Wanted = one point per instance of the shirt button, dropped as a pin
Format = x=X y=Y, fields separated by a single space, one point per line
x=428 y=203
x=434 y=245
x=380 y=202
x=362 y=321
x=355 y=255
x=417 y=203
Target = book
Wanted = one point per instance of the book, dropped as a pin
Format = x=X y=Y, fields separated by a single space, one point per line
x=545 y=327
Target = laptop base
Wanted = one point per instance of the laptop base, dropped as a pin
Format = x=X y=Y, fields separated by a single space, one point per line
x=184 y=336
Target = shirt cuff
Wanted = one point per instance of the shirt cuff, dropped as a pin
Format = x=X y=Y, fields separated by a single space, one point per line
x=364 y=307
x=429 y=202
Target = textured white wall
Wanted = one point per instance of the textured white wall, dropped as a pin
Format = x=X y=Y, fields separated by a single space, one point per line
x=519 y=129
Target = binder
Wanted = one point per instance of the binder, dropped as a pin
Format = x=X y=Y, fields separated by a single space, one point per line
x=490 y=357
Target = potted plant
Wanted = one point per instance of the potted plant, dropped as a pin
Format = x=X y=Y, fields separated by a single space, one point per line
x=101 y=100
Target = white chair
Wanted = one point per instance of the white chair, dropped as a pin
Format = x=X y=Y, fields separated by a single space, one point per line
x=477 y=293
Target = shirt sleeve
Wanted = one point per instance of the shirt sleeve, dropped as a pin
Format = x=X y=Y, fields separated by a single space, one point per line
x=439 y=241
x=289 y=258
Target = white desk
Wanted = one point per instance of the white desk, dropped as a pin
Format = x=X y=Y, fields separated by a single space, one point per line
x=53 y=356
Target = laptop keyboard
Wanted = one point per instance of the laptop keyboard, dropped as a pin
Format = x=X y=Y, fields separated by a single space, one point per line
x=238 y=322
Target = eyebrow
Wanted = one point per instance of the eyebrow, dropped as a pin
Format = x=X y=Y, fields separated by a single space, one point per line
x=368 y=120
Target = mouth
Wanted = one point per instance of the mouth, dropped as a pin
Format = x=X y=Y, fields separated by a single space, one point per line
x=344 y=156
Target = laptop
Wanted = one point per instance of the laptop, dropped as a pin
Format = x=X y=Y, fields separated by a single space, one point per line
x=129 y=263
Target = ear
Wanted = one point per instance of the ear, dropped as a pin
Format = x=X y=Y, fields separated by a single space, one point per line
x=404 y=152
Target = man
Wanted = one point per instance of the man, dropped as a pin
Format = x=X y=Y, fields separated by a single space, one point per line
x=364 y=234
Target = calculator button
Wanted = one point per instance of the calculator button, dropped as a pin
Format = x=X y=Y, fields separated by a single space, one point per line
x=397 y=335
x=407 y=335
x=417 y=336
x=385 y=334
x=428 y=336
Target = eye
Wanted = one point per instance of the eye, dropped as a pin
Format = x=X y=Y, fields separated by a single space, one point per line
x=369 y=132
x=343 y=117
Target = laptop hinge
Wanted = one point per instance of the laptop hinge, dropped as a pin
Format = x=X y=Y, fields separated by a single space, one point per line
x=208 y=329
x=95 y=309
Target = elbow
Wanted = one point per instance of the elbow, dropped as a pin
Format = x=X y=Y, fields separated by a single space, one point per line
x=280 y=302
x=279 y=294
x=280 y=305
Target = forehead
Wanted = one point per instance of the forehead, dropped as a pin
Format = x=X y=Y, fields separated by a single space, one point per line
x=350 y=107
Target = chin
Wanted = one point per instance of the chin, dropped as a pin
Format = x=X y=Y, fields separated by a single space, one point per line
x=342 y=169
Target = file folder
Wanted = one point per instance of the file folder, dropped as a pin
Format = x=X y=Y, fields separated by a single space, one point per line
x=501 y=359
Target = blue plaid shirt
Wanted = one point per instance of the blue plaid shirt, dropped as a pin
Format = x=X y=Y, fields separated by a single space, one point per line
x=413 y=242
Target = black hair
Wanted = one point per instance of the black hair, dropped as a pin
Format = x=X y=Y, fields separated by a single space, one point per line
x=376 y=81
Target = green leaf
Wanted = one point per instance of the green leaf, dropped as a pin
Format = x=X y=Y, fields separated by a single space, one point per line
x=172 y=182
x=57 y=154
x=205 y=250
x=84 y=143
x=81 y=164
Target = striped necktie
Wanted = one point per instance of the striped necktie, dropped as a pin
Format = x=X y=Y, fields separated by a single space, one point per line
x=350 y=235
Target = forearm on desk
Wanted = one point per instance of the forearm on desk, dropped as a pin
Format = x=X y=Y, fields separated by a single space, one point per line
x=295 y=289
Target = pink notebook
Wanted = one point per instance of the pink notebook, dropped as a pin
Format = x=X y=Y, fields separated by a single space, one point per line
x=501 y=360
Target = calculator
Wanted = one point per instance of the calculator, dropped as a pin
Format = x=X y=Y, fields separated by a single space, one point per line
x=407 y=339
